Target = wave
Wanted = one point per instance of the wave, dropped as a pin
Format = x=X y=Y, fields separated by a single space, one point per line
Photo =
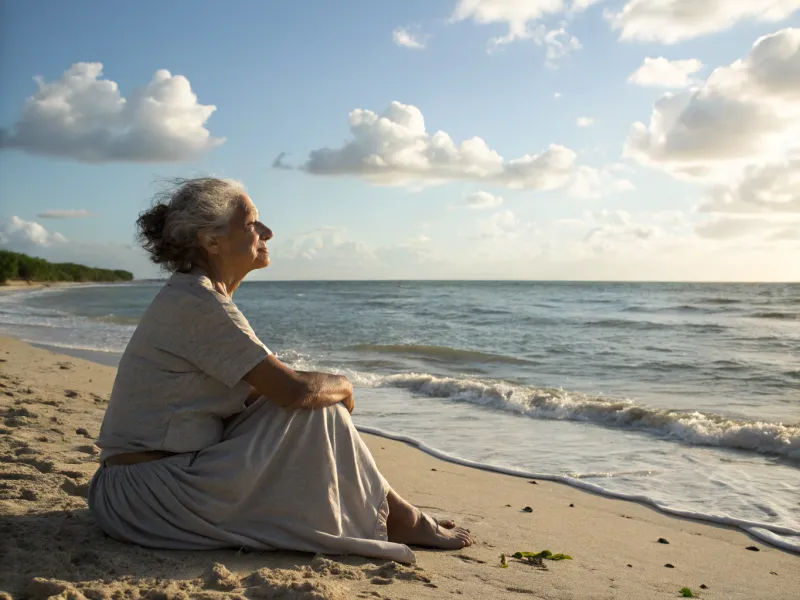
x=721 y=301
x=73 y=346
x=441 y=353
x=776 y=315
x=653 y=326
x=694 y=427
x=778 y=536
x=117 y=319
x=678 y=308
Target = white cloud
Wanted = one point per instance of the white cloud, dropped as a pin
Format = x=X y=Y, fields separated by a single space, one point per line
x=330 y=253
x=522 y=18
x=403 y=37
x=418 y=240
x=581 y=5
x=394 y=148
x=481 y=200
x=65 y=214
x=736 y=228
x=83 y=117
x=556 y=95
x=558 y=44
x=21 y=234
x=517 y=14
x=769 y=188
x=671 y=21
x=660 y=72
x=503 y=225
x=590 y=183
x=615 y=226
x=745 y=113
x=584 y=122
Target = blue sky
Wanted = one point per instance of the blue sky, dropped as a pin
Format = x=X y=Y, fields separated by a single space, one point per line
x=716 y=201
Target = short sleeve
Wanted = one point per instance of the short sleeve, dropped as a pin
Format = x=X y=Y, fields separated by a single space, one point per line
x=217 y=338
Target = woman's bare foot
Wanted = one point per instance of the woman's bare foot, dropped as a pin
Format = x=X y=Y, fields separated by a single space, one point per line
x=409 y=525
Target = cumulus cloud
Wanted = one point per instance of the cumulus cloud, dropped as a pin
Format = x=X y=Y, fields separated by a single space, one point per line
x=394 y=148
x=661 y=72
x=743 y=113
x=590 y=183
x=503 y=225
x=522 y=18
x=607 y=230
x=584 y=122
x=480 y=201
x=672 y=21
x=84 y=117
x=279 y=164
x=517 y=14
x=769 y=188
x=22 y=234
x=65 y=214
x=403 y=37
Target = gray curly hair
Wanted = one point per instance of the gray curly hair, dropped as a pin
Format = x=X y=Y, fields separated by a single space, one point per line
x=183 y=213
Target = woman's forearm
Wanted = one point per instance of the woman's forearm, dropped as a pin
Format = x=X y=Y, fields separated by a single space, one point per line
x=324 y=389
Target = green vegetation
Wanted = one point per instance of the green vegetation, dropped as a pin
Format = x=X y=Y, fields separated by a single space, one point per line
x=687 y=593
x=503 y=563
x=15 y=265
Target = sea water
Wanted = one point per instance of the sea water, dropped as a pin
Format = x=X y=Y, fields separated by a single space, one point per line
x=685 y=396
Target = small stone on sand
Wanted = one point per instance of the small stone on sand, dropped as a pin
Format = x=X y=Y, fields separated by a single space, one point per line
x=663 y=541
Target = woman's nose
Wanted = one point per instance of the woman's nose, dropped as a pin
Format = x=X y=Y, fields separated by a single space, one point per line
x=265 y=233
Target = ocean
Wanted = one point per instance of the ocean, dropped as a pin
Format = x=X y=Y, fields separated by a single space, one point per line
x=683 y=396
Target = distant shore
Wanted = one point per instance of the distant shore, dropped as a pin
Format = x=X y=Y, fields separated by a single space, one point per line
x=52 y=407
x=19 y=284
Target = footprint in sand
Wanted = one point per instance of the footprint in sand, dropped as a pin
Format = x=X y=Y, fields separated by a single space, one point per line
x=73 y=488
x=43 y=466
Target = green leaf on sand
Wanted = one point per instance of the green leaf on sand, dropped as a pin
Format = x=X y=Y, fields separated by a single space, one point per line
x=503 y=563
x=543 y=554
x=687 y=593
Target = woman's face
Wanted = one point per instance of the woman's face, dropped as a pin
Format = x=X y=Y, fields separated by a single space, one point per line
x=244 y=247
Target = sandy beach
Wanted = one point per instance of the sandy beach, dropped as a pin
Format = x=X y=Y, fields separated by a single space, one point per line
x=18 y=284
x=52 y=406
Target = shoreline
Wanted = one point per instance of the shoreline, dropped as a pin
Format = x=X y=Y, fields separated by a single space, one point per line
x=13 y=285
x=614 y=543
x=765 y=533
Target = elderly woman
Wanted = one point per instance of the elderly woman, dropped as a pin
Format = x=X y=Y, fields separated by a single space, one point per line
x=209 y=440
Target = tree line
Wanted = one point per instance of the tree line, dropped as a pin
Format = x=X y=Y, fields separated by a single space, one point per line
x=15 y=265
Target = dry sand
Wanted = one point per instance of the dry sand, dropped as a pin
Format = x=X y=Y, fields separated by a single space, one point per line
x=51 y=407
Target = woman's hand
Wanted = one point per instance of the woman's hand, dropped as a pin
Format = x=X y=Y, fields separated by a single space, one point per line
x=349 y=404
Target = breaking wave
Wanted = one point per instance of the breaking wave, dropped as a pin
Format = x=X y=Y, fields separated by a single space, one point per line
x=692 y=427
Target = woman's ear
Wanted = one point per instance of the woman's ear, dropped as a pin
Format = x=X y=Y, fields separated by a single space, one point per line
x=208 y=243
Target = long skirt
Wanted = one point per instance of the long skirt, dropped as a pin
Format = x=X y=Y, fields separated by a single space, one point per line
x=280 y=479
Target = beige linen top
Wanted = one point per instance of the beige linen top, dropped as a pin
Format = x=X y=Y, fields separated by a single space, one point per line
x=181 y=373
